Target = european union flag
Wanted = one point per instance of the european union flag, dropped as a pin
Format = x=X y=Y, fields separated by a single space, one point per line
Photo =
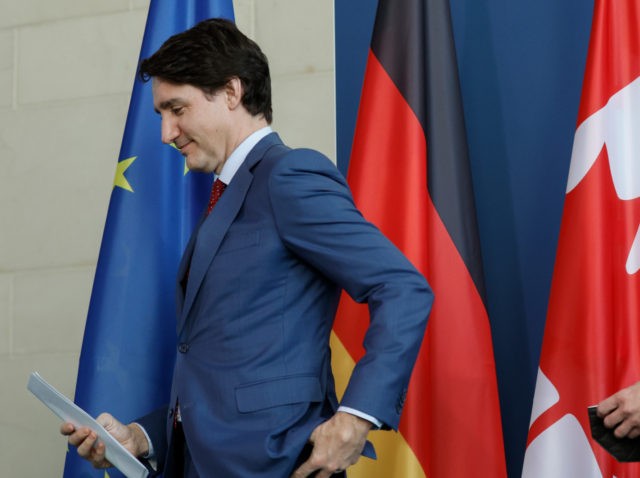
x=129 y=341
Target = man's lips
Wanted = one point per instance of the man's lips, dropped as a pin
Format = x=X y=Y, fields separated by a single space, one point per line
x=181 y=147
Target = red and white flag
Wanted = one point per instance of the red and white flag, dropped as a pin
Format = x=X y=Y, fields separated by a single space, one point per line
x=591 y=346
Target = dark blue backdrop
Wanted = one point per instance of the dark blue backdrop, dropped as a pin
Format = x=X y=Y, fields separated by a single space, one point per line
x=521 y=66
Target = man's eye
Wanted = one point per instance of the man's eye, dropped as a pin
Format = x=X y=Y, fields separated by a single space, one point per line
x=177 y=111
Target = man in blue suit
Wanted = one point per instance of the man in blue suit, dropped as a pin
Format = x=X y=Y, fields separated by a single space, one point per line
x=253 y=393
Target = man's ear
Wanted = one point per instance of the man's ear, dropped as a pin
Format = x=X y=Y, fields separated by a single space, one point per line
x=233 y=91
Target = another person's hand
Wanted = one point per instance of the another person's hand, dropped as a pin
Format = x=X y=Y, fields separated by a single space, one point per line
x=337 y=444
x=622 y=412
x=89 y=448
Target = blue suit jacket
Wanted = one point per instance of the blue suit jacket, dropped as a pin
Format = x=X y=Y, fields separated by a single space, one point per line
x=265 y=271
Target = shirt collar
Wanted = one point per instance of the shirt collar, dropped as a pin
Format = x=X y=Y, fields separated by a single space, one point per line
x=233 y=162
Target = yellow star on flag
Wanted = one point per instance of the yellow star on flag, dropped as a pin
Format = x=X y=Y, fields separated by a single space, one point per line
x=186 y=169
x=120 y=181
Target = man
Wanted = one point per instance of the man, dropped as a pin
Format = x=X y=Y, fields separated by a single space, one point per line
x=258 y=286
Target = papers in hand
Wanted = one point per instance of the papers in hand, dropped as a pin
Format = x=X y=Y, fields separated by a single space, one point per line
x=70 y=412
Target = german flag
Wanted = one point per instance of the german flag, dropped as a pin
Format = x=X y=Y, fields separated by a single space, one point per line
x=409 y=173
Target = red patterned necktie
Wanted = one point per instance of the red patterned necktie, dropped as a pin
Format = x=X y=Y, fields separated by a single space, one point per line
x=216 y=192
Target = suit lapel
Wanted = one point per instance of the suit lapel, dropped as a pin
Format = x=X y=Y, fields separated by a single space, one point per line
x=209 y=236
x=183 y=267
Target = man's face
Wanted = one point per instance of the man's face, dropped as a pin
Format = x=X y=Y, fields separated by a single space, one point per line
x=198 y=124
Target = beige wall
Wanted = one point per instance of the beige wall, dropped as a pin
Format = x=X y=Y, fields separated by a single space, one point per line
x=66 y=69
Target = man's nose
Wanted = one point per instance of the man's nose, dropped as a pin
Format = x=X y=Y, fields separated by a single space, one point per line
x=170 y=131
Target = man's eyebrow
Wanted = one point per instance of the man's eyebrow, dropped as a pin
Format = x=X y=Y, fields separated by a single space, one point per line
x=165 y=105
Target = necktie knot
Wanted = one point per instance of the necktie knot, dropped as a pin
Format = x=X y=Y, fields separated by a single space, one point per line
x=216 y=191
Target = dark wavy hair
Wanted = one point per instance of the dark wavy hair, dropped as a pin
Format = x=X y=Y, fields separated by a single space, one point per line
x=207 y=56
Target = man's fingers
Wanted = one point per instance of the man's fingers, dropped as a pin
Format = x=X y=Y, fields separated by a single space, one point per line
x=317 y=465
x=634 y=432
x=97 y=456
x=308 y=469
x=84 y=446
x=621 y=430
x=86 y=440
x=79 y=436
x=106 y=421
x=608 y=405
x=94 y=451
x=613 y=419
x=621 y=411
x=304 y=470
x=67 y=429
x=628 y=427
x=337 y=444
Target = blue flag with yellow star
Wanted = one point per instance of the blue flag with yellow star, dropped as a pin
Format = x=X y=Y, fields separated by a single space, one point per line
x=128 y=349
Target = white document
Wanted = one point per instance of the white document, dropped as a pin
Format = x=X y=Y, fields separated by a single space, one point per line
x=70 y=412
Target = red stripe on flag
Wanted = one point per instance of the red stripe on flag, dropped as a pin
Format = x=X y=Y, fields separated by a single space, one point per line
x=388 y=178
x=452 y=417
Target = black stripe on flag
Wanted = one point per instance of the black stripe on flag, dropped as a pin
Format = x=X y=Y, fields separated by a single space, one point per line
x=413 y=40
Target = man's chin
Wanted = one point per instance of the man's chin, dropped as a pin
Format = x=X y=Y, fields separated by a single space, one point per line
x=195 y=166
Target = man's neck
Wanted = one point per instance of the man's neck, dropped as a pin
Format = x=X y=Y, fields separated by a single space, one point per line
x=247 y=125
x=237 y=157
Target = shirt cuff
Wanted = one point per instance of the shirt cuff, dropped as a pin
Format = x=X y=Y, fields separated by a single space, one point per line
x=151 y=453
x=377 y=424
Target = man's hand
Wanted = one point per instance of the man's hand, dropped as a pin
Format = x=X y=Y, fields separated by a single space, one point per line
x=337 y=444
x=622 y=412
x=85 y=439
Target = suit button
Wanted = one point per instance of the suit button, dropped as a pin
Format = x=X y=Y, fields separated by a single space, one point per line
x=183 y=348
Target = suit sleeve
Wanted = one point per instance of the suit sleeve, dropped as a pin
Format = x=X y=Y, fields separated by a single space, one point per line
x=155 y=425
x=318 y=221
